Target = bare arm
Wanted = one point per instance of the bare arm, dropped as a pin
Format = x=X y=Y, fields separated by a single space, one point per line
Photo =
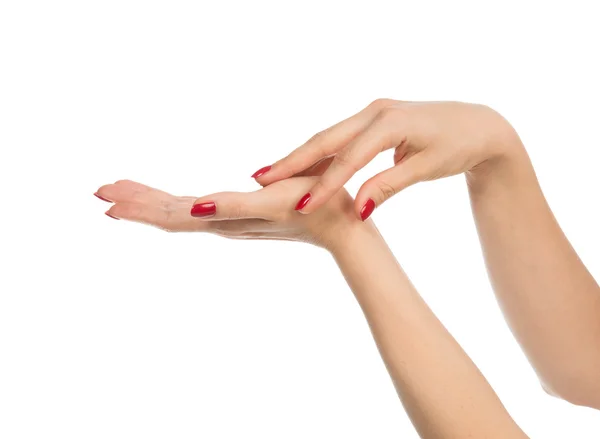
x=548 y=297
x=443 y=392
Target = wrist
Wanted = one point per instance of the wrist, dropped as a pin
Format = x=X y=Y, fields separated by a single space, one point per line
x=341 y=238
x=507 y=166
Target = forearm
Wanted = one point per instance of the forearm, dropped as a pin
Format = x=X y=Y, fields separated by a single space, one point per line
x=550 y=300
x=443 y=392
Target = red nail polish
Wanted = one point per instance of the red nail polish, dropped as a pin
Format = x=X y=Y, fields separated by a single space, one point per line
x=367 y=209
x=203 y=210
x=108 y=214
x=303 y=202
x=102 y=198
x=261 y=171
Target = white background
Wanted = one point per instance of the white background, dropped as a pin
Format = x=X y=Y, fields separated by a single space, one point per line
x=114 y=330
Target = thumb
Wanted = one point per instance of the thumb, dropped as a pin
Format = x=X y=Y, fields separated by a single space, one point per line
x=388 y=183
x=228 y=206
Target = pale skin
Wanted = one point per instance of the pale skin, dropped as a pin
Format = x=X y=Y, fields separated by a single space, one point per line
x=443 y=392
x=549 y=298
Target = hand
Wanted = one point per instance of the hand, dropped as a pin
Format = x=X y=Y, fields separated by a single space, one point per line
x=264 y=214
x=431 y=139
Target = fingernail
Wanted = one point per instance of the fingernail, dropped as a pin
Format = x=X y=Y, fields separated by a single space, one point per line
x=367 y=209
x=303 y=202
x=261 y=171
x=108 y=214
x=203 y=210
x=102 y=198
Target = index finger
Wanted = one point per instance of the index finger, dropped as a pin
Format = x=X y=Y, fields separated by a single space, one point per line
x=321 y=145
x=267 y=203
x=382 y=134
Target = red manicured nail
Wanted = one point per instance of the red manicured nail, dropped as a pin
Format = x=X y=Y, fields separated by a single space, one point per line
x=367 y=209
x=261 y=171
x=108 y=214
x=102 y=198
x=303 y=202
x=203 y=210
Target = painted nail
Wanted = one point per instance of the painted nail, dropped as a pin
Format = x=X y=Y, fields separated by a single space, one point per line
x=261 y=171
x=303 y=202
x=108 y=214
x=102 y=198
x=203 y=210
x=367 y=209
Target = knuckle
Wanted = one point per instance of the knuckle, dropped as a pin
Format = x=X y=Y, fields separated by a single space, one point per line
x=381 y=103
x=386 y=190
x=236 y=211
x=394 y=114
x=393 y=121
x=123 y=182
x=317 y=144
x=345 y=159
x=316 y=137
x=390 y=113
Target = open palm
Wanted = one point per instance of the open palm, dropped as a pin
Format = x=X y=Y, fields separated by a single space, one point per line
x=264 y=214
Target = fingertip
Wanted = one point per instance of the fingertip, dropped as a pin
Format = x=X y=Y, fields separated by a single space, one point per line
x=280 y=170
x=97 y=195
x=302 y=203
x=320 y=194
x=263 y=181
x=126 y=211
x=262 y=171
x=367 y=209
x=271 y=176
x=310 y=205
x=365 y=200
x=105 y=193
x=107 y=213
x=204 y=209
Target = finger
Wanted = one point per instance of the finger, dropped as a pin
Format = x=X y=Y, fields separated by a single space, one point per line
x=384 y=133
x=229 y=206
x=130 y=191
x=268 y=203
x=317 y=169
x=321 y=145
x=388 y=183
x=174 y=217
